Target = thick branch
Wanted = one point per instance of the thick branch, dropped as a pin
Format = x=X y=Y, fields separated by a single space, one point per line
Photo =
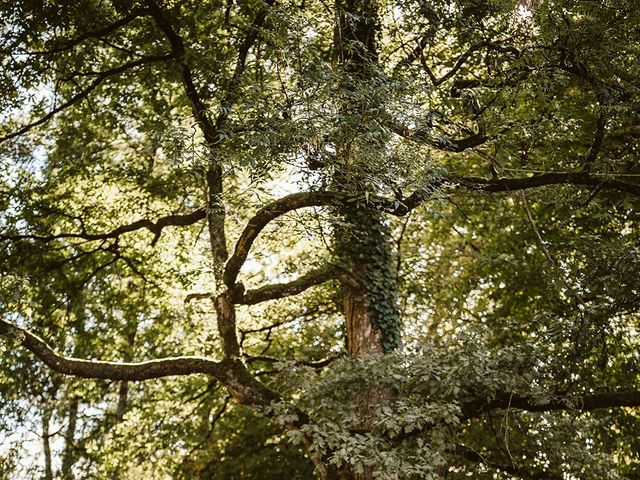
x=588 y=402
x=281 y=290
x=556 y=178
x=231 y=373
x=111 y=370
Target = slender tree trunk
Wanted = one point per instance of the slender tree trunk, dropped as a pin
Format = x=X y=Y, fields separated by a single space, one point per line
x=46 y=446
x=69 y=456
x=123 y=397
x=123 y=388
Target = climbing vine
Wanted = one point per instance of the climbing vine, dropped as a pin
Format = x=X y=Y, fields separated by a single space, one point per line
x=363 y=246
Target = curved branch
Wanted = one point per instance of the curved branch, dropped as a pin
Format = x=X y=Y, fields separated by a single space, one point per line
x=265 y=215
x=445 y=144
x=230 y=372
x=281 y=290
x=402 y=207
x=104 y=31
x=101 y=77
x=154 y=227
x=111 y=370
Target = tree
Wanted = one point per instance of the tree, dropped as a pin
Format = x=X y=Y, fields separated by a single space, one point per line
x=404 y=234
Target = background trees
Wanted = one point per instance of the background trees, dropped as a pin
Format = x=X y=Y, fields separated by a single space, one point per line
x=245 y=205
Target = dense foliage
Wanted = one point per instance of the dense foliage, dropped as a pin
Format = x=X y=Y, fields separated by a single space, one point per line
x=304 y=239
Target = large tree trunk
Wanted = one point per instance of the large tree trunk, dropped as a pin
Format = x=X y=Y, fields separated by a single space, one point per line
x=369 y=305
x=362 y=239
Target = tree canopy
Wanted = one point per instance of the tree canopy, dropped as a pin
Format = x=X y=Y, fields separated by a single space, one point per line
x=308 y=239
